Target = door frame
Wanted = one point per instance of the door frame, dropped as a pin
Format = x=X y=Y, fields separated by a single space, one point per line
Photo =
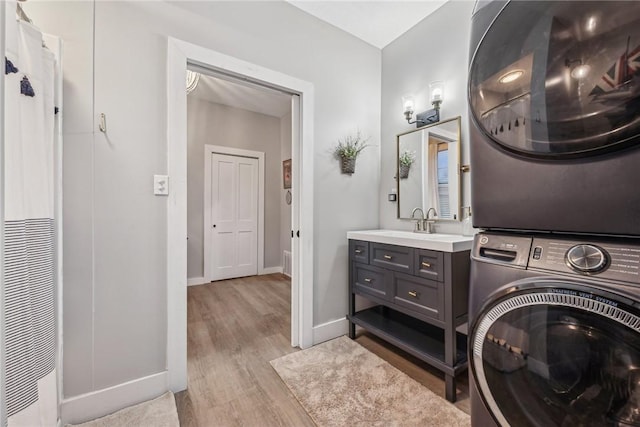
x=179 y=53
x=3 y=414
x=237 y=152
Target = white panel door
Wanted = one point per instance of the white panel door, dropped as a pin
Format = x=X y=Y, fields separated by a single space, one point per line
x=234 y=216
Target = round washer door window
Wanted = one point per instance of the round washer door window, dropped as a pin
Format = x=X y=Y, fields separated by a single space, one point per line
x=556 y=79
x=558 y=356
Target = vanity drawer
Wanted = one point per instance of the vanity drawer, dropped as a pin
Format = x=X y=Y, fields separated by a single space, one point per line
x=359 y=251
x=429 y=264
x=398 y=258
x=419 y=295
x=371 y=280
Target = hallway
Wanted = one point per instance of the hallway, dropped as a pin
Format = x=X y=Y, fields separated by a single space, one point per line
x=235 y=327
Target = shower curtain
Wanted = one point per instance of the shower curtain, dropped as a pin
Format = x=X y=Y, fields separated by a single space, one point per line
x=29 y=289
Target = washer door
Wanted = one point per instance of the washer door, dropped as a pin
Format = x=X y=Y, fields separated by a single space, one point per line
x=557 y=354
x=556 y=79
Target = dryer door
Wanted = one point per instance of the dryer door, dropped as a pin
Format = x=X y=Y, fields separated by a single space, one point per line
x=559 y=79
x=558 y=354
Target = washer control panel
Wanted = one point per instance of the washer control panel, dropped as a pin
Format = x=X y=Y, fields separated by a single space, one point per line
x=585 y=258
x=613 y=261
x=502 y=249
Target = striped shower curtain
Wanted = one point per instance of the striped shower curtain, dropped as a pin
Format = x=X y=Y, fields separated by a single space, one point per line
x=29 y=293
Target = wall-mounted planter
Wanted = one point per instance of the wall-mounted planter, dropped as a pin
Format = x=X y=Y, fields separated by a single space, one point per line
x=404 y=171
x=348 y=165
x=347 y=151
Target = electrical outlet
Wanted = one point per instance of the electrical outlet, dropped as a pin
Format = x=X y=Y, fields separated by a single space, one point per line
x=161 y=185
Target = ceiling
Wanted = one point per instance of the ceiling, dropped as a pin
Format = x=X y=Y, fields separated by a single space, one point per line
x=376 y=22
x=244 y=96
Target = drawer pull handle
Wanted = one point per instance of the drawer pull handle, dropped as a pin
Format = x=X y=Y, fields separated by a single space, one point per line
x=368 y=280
x=388 y=257
x=426 y=264
x=358 y=251
x=413 y=294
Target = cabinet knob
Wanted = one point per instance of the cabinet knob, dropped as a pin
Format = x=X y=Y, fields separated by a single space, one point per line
x=368 y=280
x=358 y=251
x=426 y=264
x=388 y=257
x=413 y=294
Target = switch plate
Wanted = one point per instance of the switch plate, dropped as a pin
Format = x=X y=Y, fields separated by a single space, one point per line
x=161 y=185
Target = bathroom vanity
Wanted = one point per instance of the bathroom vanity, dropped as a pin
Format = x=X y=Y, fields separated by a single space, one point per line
x=420 y=283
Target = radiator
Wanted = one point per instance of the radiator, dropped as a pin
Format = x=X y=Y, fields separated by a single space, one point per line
x=286 y=267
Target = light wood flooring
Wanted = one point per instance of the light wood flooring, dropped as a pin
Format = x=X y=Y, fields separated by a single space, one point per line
x=235 y=327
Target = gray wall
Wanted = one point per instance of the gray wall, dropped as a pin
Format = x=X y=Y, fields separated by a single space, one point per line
x=115 y=229
x=435 y=49
x=215 y=124
x=285 y=209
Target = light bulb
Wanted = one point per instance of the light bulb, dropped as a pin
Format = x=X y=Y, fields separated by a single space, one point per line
x=408 y=104
x=511 y=76
x=581 y=71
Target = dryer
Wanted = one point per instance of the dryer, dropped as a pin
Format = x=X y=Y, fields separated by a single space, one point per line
x=555 y=339
x=554 y=96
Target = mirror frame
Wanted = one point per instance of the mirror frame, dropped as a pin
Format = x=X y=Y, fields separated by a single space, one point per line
x=458 y=208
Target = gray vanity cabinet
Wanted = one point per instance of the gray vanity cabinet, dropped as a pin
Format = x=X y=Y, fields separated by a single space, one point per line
x=422 y=299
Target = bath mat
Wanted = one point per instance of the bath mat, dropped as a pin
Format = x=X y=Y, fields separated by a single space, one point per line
x=340 y=383
x=159 y=412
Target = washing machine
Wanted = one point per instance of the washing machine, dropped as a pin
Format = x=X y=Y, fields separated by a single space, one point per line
x=554 y=101
x=555 y=339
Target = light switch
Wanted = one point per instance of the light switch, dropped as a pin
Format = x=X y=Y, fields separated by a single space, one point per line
x=161 y=185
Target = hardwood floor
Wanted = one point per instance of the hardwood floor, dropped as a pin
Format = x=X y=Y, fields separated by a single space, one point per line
x=235 y=327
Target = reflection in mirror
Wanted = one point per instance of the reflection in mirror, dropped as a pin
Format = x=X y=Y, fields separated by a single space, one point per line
x=427 y=170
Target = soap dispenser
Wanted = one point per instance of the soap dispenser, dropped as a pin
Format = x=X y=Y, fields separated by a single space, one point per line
x=467 y=225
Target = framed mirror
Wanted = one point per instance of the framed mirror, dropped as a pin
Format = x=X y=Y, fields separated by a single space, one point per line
x=428 y=170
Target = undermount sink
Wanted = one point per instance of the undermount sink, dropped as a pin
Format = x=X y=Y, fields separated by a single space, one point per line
x=433 y=241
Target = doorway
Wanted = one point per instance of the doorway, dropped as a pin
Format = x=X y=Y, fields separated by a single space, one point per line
x=179 y=54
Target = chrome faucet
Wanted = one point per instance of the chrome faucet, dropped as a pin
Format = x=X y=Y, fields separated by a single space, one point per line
x=429 y=223
x=420 y=222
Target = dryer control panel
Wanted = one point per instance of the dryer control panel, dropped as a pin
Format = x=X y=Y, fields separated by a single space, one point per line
x=612 y=261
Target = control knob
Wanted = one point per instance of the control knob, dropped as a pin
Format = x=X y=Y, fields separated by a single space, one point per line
x=586 y=258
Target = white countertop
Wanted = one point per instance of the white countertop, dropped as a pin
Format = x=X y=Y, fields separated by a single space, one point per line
x=433 y=241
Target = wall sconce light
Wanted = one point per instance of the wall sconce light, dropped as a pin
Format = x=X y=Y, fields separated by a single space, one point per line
x=580 y=71
x=429 y=116
x=192 y=81
x=408 y=107
x=437 y=94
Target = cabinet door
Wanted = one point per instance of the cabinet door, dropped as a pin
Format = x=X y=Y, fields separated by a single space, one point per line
x=370 y=280
x=429 y=264
x=397 y=258
x=419 y=295
x=359 y=251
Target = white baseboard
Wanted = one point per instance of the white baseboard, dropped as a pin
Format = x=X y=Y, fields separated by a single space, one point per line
x=99 y=403
x=288 y=275
x=270 y=270
x=330 y=330
x=196 y=281
x=201 y=280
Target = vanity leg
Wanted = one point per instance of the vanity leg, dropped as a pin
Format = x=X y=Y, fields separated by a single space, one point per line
x=352 y=310
x=450 y=388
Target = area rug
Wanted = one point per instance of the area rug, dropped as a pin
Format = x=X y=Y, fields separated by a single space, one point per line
x=340 y=383
x=159 y=412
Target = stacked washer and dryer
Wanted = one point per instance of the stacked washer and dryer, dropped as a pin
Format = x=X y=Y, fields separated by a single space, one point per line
x=554 y=309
